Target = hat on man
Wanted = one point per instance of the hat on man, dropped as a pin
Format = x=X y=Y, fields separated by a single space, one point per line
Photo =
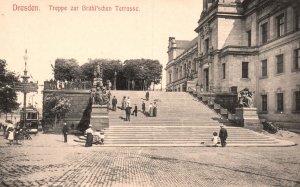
x=222 y=125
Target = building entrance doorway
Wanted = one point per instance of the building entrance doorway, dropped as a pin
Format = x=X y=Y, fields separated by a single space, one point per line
x=206 y=79
x=184 y=87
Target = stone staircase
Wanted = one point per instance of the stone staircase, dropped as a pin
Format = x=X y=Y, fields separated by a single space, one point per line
x=181 y=121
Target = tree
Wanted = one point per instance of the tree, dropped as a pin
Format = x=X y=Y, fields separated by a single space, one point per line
x=109 y=69
x=66 y=70
x=143 y=72
x=8 y=100
x=56 y=106
x=8 y=96
x=154 y=71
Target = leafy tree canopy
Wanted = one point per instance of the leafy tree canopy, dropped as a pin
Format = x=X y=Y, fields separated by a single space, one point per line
x=109 y=68
x=66 y=70
x=8 y=96
x=8 y=100
x=7 y=78
x=143 y=69
x=57 y=105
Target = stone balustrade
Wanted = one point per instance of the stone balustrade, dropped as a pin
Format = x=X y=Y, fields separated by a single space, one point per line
x=67 y=85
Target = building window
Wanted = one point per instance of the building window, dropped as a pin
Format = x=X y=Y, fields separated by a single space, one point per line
x=249 y=38
x=279 y=64
x=264 y=33
x=245 y=70
x=280 y=25
x=264 y=103
x=279 y=102
x=297 y=101
x=224 y=70
x=170 y=77
x=264 y=68
x=206 y=45
x=297 y=59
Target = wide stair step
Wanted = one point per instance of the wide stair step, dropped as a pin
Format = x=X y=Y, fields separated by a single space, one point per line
x=181 y=121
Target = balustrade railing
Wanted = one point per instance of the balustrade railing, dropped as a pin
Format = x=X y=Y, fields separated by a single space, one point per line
x=67 y=85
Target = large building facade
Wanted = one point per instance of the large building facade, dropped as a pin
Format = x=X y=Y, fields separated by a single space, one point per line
x=241 y=44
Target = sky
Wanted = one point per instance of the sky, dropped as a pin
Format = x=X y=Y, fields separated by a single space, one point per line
x=53 y=33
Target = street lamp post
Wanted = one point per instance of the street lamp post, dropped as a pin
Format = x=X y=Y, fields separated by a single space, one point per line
x=25 y=87
x=25 y=78
x=115 y=81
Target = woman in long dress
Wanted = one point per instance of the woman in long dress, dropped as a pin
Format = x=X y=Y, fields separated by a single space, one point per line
x=89 y=136
x=154 y=109
x=124 y=103
x=150 y=110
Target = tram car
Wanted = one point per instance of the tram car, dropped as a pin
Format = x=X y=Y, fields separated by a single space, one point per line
x=32 y=119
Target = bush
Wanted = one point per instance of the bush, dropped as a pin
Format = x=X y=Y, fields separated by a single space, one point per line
x=270 y=127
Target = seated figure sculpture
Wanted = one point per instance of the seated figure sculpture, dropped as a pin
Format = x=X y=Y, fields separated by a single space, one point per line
x=99 y=96
x=245 y=100
x=93 y=95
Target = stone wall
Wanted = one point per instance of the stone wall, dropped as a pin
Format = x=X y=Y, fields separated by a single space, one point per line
x=227 y=101
x=79 y=116
x=287 y=82
x=233 y=72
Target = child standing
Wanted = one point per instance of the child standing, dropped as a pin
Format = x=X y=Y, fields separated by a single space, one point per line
x=135 y=110
x=11 y=136
x=215 y=139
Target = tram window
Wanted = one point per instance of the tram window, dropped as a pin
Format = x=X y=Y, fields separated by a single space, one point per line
x=34 y=116
x=31 y=115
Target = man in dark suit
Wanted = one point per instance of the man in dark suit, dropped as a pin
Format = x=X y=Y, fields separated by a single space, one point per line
x=147 y=96
x=114 y=102
x=128 y=112
x=223 y=135
x=65 y=132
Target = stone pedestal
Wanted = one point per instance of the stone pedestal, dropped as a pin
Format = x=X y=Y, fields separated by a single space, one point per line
x=248 y=118
x=99 y=117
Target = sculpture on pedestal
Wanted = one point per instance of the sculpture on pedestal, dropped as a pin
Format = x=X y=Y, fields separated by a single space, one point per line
x=99 y=95
x=245 y=100
x=247 y=115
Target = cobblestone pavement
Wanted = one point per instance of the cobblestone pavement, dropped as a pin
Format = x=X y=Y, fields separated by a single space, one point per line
x=47 y=161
